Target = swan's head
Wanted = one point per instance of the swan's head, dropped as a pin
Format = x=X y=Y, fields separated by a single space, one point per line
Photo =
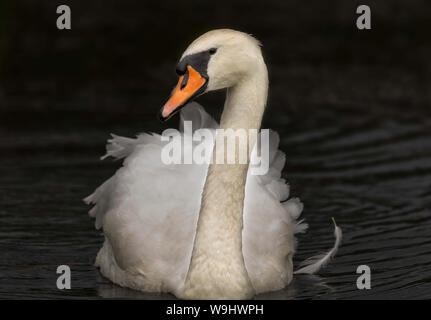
x=218 y=59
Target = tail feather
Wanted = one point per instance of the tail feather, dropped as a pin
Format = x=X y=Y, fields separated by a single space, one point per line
x=315 y=263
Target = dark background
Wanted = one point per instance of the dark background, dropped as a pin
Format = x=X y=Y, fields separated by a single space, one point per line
x=120 y=53
x=352 y=107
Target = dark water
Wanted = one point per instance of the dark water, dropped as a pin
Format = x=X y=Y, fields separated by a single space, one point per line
x=372 y=175
x=353 y=110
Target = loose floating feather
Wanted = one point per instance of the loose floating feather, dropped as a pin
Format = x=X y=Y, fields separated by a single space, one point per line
x=313 y=264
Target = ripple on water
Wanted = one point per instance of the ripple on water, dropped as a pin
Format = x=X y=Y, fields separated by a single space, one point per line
x=373 y=176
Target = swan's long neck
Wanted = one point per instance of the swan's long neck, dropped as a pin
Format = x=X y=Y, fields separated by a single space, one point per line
x=217 y=269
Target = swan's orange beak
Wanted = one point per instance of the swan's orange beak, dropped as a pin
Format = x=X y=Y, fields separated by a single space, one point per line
x=189 y=86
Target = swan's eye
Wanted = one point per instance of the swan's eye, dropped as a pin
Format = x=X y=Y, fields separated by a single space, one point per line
x=212 y=51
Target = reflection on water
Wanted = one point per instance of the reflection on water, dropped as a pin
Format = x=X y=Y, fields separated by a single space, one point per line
x=371 y=172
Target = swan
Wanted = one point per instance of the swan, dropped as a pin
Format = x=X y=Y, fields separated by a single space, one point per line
x=202 y=231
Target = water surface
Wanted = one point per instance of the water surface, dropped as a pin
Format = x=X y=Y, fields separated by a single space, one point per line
x=372 y=175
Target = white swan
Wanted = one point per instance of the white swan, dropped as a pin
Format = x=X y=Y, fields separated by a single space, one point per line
x=199 y=231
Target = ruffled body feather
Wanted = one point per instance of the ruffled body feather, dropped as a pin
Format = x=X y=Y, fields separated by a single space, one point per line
x=149 y=211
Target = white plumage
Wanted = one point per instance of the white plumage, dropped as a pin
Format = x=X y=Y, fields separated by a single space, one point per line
x=149 y=210
x=198 y=230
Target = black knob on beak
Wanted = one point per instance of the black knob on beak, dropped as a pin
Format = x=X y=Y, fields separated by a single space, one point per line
x=181 y=67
